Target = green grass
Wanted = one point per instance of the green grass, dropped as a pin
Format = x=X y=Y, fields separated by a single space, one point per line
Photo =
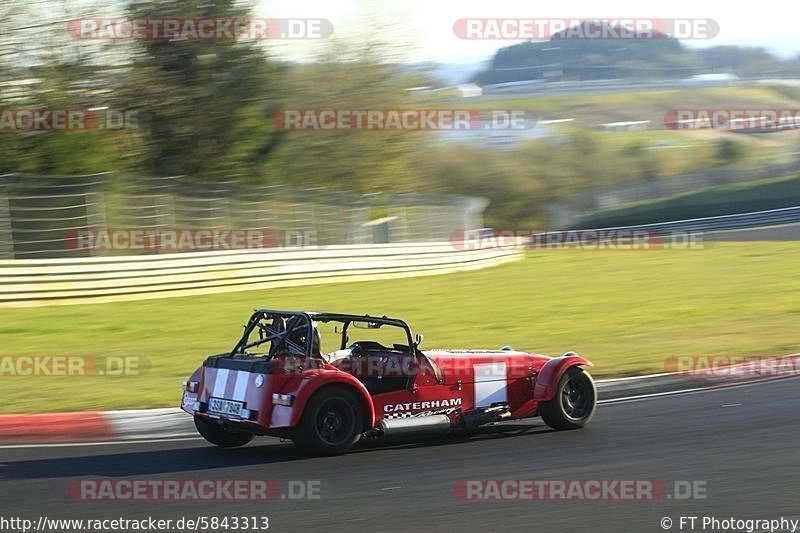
x=625 y=310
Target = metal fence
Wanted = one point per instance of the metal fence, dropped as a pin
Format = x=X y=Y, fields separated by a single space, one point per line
x=41 y=216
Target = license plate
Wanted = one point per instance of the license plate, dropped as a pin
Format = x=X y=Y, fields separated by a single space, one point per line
x=219 y=406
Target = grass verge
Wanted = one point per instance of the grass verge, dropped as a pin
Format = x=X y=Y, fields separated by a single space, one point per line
x=625 y=310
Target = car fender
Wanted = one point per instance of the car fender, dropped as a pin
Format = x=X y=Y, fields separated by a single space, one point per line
x=310 y=384
x=551 y=373
x=197 y=374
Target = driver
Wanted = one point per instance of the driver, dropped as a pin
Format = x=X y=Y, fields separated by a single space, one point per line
x=291 y=336
x=295 y=336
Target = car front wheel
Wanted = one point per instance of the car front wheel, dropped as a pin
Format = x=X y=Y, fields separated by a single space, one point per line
x=574 y=403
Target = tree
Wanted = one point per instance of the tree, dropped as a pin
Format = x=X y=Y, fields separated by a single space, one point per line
x=360 y=160
x=208 y=103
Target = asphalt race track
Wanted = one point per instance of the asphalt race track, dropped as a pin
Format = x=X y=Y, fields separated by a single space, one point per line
x=741 y=442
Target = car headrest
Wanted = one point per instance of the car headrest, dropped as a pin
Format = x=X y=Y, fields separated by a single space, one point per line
x=316 y=342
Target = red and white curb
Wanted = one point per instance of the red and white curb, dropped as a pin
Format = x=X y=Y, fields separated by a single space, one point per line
x=55 y=427
x=171 y=422
x=95 y=426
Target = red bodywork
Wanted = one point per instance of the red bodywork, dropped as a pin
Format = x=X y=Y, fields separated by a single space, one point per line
x=440 y=382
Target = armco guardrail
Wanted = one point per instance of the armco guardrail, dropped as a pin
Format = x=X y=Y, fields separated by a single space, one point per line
x=33 y=282
x=772 y=217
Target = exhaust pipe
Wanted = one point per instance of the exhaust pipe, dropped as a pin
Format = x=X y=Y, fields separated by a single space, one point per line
x=441 y=423
x=478 y=417
x=414 y=425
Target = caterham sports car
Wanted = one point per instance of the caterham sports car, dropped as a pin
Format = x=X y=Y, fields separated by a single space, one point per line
x=326 y=380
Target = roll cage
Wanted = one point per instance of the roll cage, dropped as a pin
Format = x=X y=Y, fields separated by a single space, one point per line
x=294 y=331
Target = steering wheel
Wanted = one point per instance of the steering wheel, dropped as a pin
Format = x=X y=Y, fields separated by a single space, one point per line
x=357 y=350
x=361 y=347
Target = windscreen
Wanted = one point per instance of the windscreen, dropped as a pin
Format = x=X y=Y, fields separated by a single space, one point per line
x=336 y=335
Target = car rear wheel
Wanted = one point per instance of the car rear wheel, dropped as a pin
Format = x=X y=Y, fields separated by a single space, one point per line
x=221 y=436
x=331 y=423
x=574 y=403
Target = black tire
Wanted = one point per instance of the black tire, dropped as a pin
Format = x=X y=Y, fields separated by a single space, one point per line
x=219 y=435
x=574 y=403
x=331 y=422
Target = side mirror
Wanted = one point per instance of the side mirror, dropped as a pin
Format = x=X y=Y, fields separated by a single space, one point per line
x=418 y=338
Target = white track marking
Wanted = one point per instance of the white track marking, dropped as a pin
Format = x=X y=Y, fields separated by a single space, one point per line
x=650 y=396
x=634 y=378
x=657 y=395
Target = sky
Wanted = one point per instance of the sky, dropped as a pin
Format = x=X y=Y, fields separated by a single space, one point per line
x=422 y=30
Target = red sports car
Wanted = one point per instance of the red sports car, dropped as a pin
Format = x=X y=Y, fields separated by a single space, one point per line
x=371 y=379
